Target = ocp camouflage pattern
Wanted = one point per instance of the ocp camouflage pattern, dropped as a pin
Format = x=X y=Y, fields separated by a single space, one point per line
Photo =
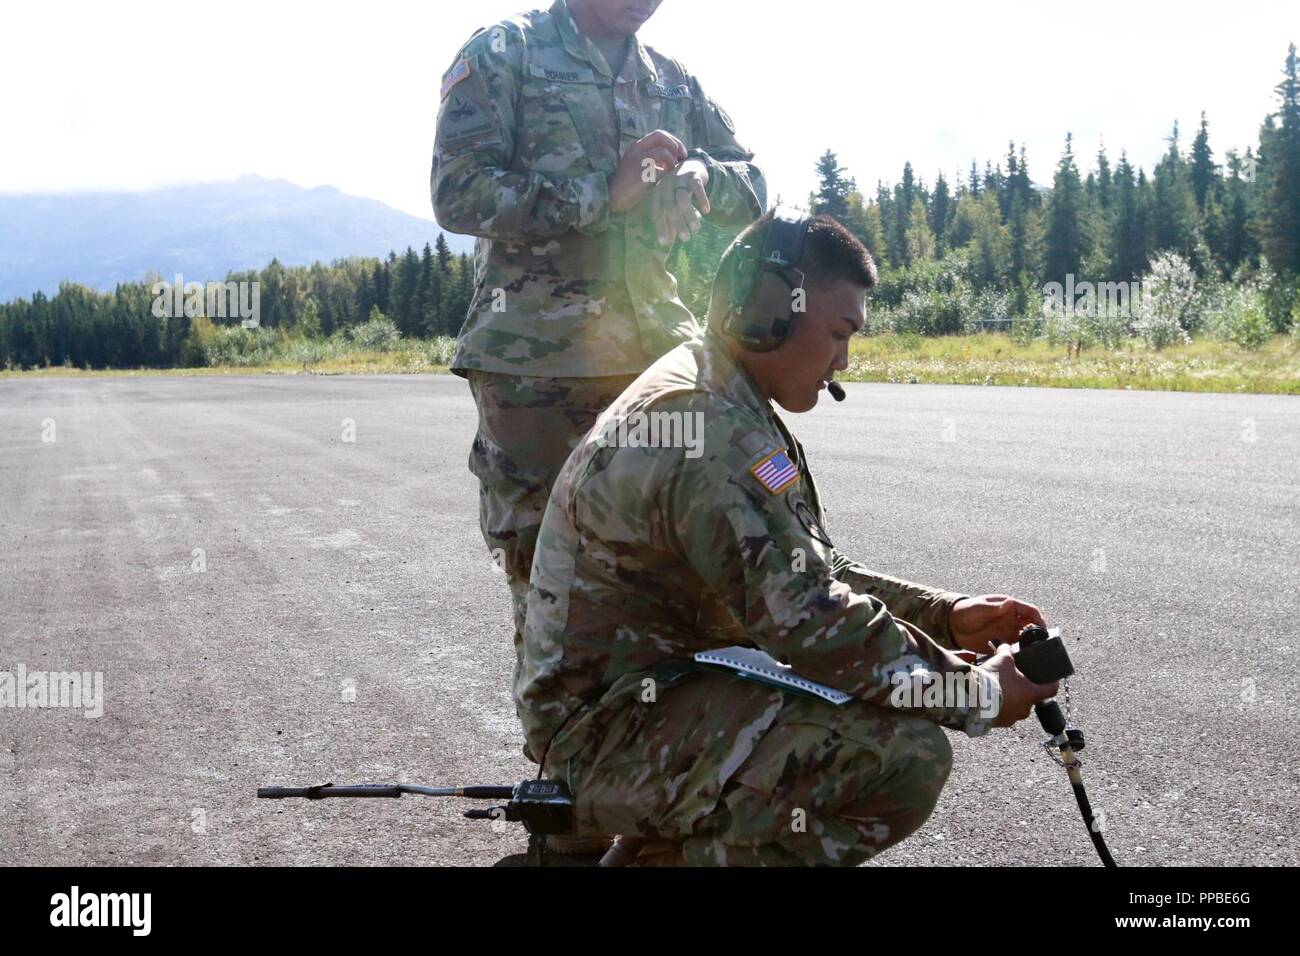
x=531 y=126
x=647 y=556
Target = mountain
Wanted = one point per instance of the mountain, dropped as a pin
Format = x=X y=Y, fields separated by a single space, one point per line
x=200 y=231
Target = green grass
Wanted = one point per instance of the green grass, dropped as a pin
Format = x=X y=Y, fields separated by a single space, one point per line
x=1204 y=365
x=412 y=361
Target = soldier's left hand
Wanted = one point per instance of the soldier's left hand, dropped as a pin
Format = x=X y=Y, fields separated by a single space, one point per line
x=679 y=201
x=977 y=622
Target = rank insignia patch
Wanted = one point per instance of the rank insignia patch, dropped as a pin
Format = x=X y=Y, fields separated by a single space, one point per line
x=776 y=472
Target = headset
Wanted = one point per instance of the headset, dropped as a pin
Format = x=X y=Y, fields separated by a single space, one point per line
x=760 y=311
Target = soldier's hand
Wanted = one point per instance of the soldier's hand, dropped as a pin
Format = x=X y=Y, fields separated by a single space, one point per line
x=642 y=167
x=977 y=622
x=680 y=201
x=1019 y=693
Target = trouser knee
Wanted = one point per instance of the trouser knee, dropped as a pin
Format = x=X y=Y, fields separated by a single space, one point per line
x=827 y=787
x=898 y=803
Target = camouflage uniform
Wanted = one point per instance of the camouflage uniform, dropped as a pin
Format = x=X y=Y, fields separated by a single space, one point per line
x=531 y=126
x=648 y=555
x=527 y=427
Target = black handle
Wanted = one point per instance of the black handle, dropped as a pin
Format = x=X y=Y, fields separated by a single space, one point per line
x=329 y=790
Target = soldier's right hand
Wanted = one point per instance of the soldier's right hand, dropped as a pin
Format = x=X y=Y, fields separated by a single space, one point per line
x=640 y=168
x=1019 y=693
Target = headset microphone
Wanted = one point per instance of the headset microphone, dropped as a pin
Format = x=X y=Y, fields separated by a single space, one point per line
x=836 y=390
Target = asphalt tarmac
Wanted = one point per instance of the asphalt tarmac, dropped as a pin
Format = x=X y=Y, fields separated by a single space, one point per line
x=270 y=602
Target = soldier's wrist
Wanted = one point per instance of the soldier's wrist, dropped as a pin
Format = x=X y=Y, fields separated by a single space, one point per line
x=940 y=616
x=711 y=165
x=983 y=711
x=701 y=155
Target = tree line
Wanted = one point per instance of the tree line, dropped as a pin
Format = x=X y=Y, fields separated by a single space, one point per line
x=984 y=246
x=422 y=294
x=1228 y=220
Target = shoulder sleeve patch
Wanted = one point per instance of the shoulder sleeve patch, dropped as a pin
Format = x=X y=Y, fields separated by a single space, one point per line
x=723 y=116
x=456 y=74
x=775 y=471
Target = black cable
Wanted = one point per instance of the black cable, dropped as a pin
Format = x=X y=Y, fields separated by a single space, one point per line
x=1089 y=821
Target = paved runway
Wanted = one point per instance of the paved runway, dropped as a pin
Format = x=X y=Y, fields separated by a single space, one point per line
x=270 y=603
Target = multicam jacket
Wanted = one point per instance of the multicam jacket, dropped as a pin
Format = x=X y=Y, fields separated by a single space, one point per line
x=648 y=555
x=531 y=126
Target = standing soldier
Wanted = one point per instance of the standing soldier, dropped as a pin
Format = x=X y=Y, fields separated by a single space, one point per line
x=577 y=156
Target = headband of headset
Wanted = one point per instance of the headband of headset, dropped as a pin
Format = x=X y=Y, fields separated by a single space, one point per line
x=760 y=313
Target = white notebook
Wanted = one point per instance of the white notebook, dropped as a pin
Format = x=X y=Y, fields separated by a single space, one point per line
x=753 y=664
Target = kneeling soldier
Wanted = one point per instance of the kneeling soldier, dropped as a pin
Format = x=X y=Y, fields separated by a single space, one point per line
x=687 y=520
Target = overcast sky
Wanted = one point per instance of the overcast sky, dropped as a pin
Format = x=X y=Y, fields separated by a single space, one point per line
x=137 y=94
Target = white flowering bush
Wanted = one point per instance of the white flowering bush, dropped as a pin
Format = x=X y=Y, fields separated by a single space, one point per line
x=1168 y=302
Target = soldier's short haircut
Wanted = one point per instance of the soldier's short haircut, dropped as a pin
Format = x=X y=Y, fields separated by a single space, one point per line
x=830 y=253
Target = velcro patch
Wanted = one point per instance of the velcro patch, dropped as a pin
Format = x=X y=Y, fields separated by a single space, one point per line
x=776 y=472
x=458 y=72
x=723 y=116
x=672 y=92
x=561 y=76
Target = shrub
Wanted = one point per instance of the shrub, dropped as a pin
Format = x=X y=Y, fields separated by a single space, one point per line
x=931 y=298
x=1239 y=314
x=1281 y=298
x=1168 y=299
x=379 y=334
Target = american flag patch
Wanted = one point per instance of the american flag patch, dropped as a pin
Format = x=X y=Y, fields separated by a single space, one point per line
x=458 y=73
x=776 y=472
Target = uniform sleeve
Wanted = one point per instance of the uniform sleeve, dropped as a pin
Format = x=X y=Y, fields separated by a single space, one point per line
x=751 y=549
x=923 y=607
x=473 y=189
x=737 y=189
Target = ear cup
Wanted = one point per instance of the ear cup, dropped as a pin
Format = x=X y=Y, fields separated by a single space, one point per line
x=760 y=311
x=767 y=315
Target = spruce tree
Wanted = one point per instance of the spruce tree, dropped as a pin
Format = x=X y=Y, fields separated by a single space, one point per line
x=1204 y=171
x=904 y=194
x=1240 y=243
x=1105 y=180
x=443 y=252
x=1066 y=241
x=363 y=299
x=940 y=210
x=405 y=287
x=1279 y=226
x=1175 y=213
x=1127 y=246
x=832 y=196
x=427 y=294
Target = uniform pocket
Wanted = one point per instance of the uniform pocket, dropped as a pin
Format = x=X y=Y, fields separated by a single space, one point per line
x=558 y=114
